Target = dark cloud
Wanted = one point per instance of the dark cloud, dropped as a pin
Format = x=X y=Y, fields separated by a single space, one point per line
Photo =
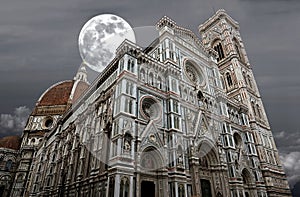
x=291 y=163
x=13 y=124
x=38 y=47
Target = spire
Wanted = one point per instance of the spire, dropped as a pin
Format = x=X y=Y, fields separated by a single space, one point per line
x=81 y=74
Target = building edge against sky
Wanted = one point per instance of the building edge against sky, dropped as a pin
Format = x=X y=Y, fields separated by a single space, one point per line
x=182 y=117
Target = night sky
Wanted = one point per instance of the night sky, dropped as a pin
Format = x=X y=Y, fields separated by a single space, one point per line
x=38 y=47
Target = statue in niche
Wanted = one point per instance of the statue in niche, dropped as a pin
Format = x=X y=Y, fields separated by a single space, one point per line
x=180 y=159
x=127 y=145
x=180 y=156
x=127 y=125
x=127 y=142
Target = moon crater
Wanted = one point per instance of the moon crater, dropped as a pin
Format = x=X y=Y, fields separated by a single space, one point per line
x=100 y=37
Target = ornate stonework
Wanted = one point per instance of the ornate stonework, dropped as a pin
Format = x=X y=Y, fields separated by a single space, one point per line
x=182 y=118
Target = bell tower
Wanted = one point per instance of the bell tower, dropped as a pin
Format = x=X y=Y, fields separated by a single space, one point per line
x=220 y=34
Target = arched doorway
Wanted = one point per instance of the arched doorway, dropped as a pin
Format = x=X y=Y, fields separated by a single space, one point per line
x=150 y=177
x=208 y=160
x=246 y=177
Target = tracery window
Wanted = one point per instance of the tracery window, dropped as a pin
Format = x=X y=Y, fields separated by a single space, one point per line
x=128 y=106
x=129 y=88
x=124 y=187
x=174 y=85
x=142 y=75
x=245 y=77
x=130 y=65
x=258 y=111
x=181 y=192
x=8 y=165
x=151 y=79
x=249 y=81
x=219 y=49
x=159 y=82
x=111 y=189
x=229 y=79
x=253 y=108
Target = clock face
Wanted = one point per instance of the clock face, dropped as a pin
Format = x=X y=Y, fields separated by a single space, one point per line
x=192 y=73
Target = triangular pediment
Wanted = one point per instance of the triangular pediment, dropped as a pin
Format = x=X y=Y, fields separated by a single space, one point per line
x=202 y=127
x=151 y=136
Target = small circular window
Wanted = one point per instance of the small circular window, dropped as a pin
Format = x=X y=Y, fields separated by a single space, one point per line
x=49 y=122
x=150 y=108
x=192 y=73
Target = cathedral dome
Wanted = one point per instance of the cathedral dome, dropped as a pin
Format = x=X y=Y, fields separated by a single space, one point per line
x=59 y=97
x=10 y=142
x=58 y=94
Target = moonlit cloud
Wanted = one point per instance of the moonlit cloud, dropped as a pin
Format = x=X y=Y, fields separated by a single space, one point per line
x=291 y=163
x=13 y=124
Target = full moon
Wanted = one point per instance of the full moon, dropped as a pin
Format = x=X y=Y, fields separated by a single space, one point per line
x=100 y=37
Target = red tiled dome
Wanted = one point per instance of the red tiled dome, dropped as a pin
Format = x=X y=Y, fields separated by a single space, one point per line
x=58 y=94
x=59 y=98
x=11 y=142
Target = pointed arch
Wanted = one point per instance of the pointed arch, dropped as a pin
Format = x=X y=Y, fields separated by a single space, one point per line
x=207 y=150
x=151 y=159
x=124 y=187
x=246 y=177
x=228 y=79
x=218 y=47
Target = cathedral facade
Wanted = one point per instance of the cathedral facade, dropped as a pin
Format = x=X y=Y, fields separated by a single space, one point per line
x=180 y=118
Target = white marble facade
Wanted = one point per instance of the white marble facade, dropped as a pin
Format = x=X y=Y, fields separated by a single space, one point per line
x=182 y=118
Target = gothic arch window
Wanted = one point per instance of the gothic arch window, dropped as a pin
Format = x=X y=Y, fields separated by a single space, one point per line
x=246 y=177
x=53 y=157
x=217 y=46
x=185 y=94
x=229 y=79
x=142 y=75
x=121 y=65
x=159 y=82
x=151 y=79
x=237 y=140
x=48 y=181
x=129 y=106
x=253 y=108
x=249 y=81
x=111 y=189
x=258 y=111
x=132 y=66
x=128 y=64
x=245 y=77
x=174 y=86
x=129 y=88
x=175 y=106
x=8 y=165
x=181 y=190
x=124 y=187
